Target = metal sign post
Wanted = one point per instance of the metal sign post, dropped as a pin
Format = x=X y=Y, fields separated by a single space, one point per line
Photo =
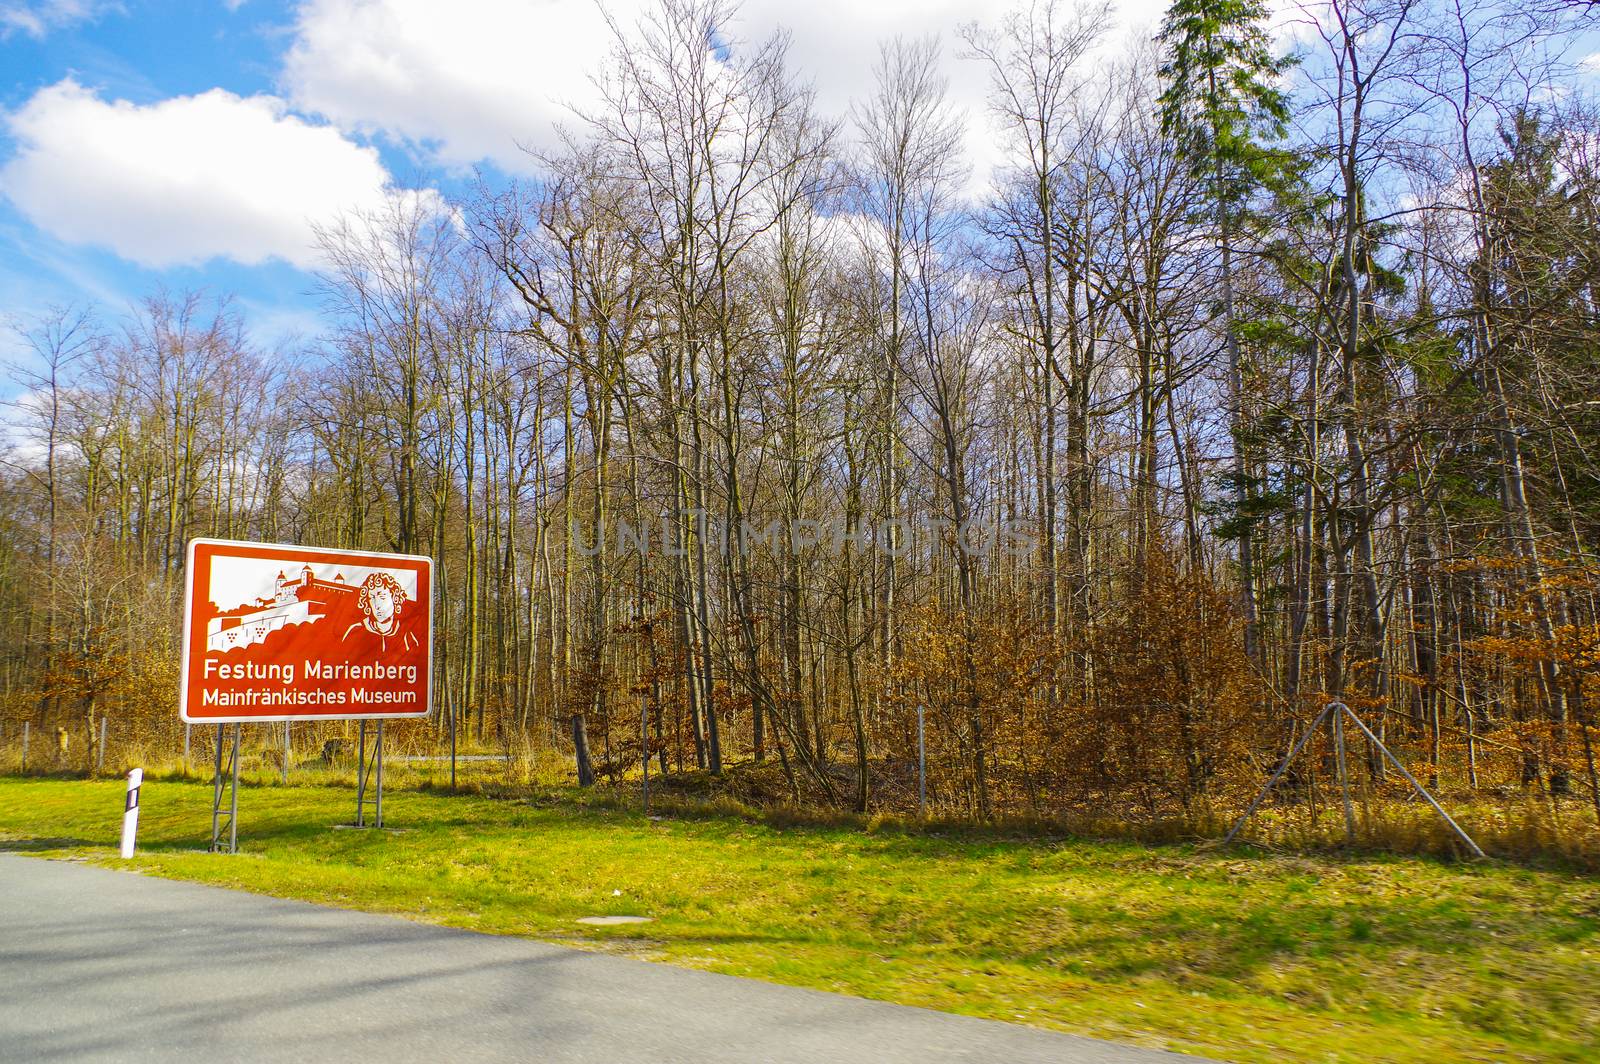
x=369 y=764
x=644 y=747
x=232 y=788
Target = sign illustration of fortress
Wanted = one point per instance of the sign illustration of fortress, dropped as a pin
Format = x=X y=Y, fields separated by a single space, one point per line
x=298 y=601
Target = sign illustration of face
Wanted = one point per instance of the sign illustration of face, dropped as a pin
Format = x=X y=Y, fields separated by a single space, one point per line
x=381 y=599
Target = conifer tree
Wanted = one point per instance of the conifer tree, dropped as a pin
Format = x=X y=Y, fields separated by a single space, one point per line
x=1220 y=107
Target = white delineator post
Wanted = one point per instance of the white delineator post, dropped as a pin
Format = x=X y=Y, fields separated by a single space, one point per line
x=130 y=814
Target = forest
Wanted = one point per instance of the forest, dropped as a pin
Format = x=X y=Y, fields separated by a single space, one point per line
x=1257 y=372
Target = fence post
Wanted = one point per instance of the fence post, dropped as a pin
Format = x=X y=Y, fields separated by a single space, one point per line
x=25 y=727
x=644 y=746
x=1344 y=778
x=922 y=767
x=100 y=757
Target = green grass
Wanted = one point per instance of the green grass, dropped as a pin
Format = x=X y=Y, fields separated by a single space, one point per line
x=1239 y=955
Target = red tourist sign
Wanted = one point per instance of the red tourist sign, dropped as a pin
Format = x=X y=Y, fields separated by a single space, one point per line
x=278 y=632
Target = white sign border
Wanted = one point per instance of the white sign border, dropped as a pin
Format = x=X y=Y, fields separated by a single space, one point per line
x=188 y=615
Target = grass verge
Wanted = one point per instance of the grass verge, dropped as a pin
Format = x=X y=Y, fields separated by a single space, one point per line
x=1243 y=955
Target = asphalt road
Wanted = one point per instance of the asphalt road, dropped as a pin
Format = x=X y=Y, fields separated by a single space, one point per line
x=99 y=965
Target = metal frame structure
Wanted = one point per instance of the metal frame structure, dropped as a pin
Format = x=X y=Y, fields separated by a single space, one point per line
x=232 y=788
x=364 y=768
x=1338 y=711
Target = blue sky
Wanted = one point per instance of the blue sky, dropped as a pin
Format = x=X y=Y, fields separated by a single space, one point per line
x=148 y=143
x=144 y=53
x=151 y=50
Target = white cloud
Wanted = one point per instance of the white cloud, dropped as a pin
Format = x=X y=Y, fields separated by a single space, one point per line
x=194 y=177
x=20 y=417
x=279 y=327
x=39 y=18
x=185 y=179
x=473 y=79
x=836 y=44
x=468 y=79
